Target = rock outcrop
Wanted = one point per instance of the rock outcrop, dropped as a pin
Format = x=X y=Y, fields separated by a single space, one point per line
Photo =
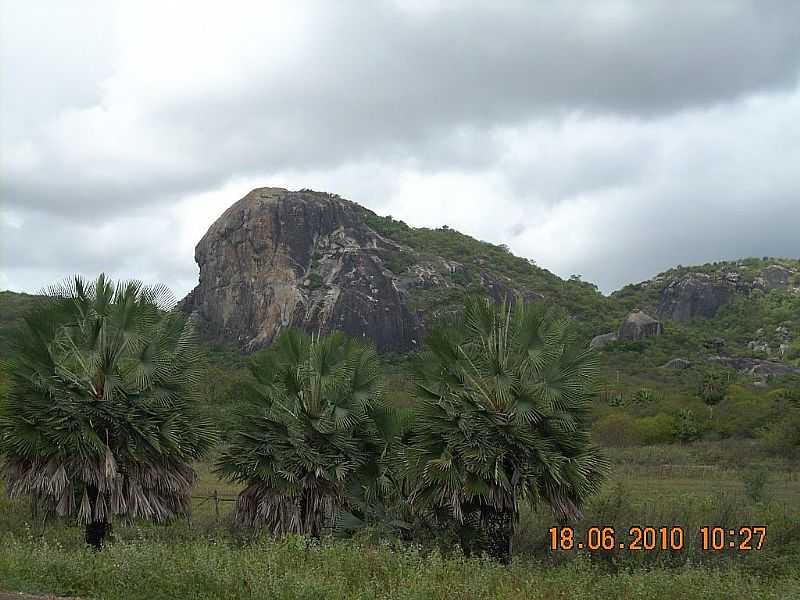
x=774 y=276
x=763 y=369
x=679 y=364
x=696 y=295
x=278 y=259
x=600 y=341
x=638 y=325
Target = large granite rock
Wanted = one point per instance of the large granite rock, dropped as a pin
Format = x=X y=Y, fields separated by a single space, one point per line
x=603 y=340
x=638 y=325
x=696 y=295
x=755 y=367
x=278 y=259
x=774 y=276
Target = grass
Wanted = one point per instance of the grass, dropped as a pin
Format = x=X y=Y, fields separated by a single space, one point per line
x=293 y=568
x=661 y=485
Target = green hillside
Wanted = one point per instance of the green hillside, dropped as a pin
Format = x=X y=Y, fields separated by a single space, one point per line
x=13 y=306
x=639 y=401
x=494 y=264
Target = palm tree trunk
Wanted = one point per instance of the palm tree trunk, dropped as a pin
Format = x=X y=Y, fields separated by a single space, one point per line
x=498 y=526
x=96 y=531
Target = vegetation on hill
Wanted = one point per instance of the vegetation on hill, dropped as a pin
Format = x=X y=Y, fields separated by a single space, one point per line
x=13 y=306
x=478 y=258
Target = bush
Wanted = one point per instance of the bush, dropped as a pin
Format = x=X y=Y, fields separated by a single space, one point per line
x=621 y=429
x=783 y=437
x=685 y=426
x=755 y=483
x=743 y=413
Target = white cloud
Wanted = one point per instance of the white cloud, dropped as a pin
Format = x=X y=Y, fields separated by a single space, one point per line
x=594 y=139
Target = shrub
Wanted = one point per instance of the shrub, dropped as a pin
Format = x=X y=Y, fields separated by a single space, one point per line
x=685 y=427
x=622 y=429
x=755 y=482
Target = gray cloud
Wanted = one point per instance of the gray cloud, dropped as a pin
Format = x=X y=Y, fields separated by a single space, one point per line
x=429 y=111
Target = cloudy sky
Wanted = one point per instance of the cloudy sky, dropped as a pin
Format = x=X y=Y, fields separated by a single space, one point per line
x=609 y=139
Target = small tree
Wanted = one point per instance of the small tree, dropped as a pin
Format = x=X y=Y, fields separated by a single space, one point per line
x=713 y=388
x=100 y=421
x=316 y=427
x=504 y=396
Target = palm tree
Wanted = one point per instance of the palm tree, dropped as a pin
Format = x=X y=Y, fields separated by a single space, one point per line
x=713 y=388
x=100 y=420
x=503 y=418
x=317 y=427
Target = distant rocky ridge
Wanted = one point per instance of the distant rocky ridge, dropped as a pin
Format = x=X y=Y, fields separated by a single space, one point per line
x=681 y=295
x=278 y=259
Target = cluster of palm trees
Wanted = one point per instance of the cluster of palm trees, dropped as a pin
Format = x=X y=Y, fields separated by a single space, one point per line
x=102 y=421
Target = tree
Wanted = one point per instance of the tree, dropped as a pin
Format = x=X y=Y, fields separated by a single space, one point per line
x=503 y=417
x=316 y=428
x=100 y=421
x=713 y=388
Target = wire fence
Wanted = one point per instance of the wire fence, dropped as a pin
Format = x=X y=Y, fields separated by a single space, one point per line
x=216 y=498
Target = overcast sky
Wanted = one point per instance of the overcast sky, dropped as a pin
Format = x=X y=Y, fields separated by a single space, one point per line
x=608 y=139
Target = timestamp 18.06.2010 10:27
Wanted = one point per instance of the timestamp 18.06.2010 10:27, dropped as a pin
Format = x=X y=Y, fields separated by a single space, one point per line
x=712 y=538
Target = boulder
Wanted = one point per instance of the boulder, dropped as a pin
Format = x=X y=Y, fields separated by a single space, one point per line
x=694 y=296
x=756 y=367
x=759 y=346
x=599 y=341
x=775 y=276
x=638 y=325
x=677 y=363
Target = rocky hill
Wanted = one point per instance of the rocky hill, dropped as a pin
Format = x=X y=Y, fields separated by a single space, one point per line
x=279 y=259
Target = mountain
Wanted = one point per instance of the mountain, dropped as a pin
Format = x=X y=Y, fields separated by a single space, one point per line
x=277 y=259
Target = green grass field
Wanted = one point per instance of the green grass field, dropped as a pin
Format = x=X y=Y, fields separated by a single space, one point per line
x=659 y=486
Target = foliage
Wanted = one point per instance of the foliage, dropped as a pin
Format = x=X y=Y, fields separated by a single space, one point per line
x=782 y=437
x=293 y=568
x=502 y=418
x=686 y=428
x=713 y=387
x=13 y=307
x=317 y=427
x=101 y=419
x=579 y=298
x=755 y=482
x=620 y=429
x=644 y=396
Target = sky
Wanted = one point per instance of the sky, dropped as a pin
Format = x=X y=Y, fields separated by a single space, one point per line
x=610 y=139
